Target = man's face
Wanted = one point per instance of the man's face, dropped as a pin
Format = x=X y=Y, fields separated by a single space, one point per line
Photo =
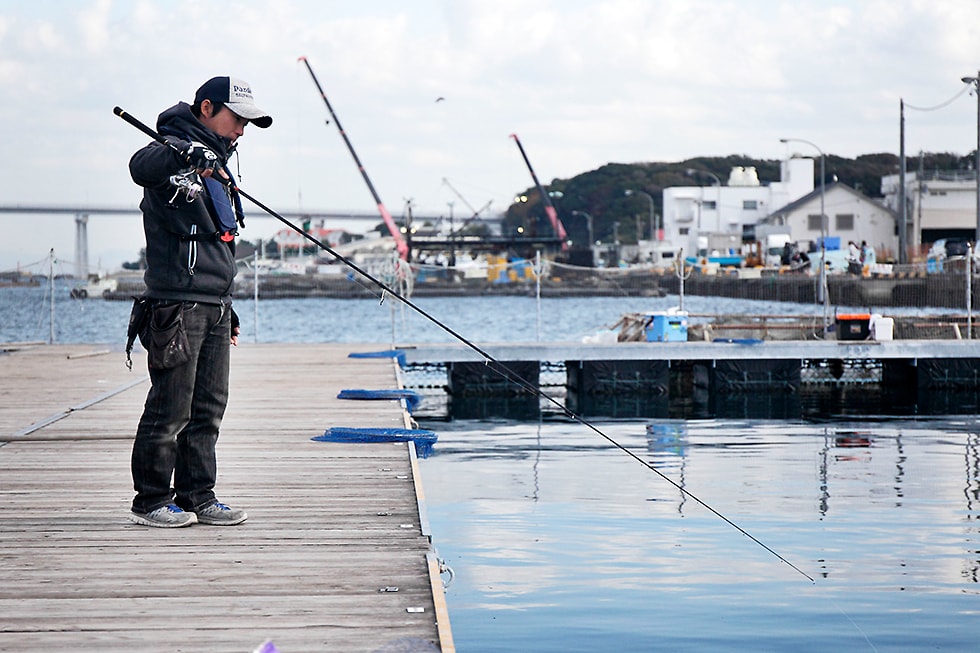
x=223 y=123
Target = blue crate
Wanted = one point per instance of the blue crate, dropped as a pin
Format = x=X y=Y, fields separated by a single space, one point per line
x=666 y=327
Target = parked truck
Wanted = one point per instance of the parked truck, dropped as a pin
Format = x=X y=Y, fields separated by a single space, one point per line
x=723 y=249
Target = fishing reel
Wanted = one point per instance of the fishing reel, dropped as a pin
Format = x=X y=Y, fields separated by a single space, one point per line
x=189 y=183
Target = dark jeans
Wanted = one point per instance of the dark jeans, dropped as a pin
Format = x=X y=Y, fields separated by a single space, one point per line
x=178 y=431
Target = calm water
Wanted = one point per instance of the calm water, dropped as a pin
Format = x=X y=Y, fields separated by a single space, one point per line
x=26 y=313
x=561 y=542
x=26 y=317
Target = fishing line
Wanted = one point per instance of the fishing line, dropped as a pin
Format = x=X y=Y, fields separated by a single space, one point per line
x=492 y=363
x=856 y=627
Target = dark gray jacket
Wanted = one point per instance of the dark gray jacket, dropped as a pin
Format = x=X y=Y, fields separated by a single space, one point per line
x=180 y=265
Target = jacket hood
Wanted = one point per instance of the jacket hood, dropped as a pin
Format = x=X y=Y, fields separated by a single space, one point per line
x=180 y=122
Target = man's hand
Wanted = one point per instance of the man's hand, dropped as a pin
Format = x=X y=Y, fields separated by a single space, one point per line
x=203 y=158
x=236 y=328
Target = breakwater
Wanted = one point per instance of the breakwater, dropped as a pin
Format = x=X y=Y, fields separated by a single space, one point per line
x=944 y=290
x=936 y=290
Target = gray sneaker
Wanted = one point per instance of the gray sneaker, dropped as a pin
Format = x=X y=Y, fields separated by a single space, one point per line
x=169 y=516
x=218 y=514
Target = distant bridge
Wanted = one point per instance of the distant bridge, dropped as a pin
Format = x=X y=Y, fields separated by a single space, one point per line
x=328 y=214
x=82 y=214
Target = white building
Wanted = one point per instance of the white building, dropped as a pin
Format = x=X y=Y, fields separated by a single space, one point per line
x=691 y=212
x=851 y=216
x=699 y=213
x=940 y=204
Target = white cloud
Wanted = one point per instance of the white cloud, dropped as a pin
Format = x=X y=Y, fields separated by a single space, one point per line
x=583 y=82
x=94 y=27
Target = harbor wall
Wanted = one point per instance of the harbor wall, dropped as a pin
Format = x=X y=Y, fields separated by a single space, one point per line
x=939 y=290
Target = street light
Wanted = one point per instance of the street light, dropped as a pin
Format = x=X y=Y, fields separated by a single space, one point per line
x=653 y=226
x=691 y=172
x=975 y=82
x=588 y=225
x=823 y=229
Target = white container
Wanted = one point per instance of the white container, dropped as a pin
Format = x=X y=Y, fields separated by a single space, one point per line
x=881 y=327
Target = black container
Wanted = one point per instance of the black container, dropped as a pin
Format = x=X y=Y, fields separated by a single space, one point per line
x=853 y=326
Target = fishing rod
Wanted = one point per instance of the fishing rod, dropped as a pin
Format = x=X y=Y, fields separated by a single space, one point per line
x=185 y=184
x=400 y=243
x=492 y=363
x=549 y=208
x=386 y=290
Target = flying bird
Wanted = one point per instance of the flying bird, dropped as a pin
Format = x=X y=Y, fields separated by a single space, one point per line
x=440 y=99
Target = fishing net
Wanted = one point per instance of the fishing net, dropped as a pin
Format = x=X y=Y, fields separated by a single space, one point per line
x=412 y=398
x=422 y=438
x=397 y=354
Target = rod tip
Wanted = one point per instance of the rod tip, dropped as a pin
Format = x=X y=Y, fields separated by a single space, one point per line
x=301 y=59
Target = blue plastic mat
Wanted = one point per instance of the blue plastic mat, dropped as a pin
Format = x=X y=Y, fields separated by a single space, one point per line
x=390 y=353
x=412 y=398
x=423 y=439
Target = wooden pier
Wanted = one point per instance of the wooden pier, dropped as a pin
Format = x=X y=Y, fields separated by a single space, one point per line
x=335 y=556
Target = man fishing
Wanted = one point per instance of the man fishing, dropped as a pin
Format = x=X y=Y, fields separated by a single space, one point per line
x=190 y=220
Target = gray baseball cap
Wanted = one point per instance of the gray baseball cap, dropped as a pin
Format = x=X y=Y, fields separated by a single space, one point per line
x=236 y=94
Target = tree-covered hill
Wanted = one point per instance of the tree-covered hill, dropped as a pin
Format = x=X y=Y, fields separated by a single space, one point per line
x=601 y=192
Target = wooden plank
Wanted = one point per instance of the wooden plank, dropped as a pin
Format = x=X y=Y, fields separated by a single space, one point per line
x=330 y=524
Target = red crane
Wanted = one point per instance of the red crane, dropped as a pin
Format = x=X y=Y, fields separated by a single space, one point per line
x=400 y=243
x=549 y=208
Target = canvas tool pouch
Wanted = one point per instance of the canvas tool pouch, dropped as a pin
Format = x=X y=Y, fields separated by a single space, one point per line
x=164 y=337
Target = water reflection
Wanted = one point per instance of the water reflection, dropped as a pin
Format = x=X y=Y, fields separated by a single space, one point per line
x=521 y=407
x=972 y=494
x=667 y=441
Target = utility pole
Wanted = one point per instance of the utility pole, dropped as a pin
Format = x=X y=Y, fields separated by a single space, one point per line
x=902 y=200
x=452 y=238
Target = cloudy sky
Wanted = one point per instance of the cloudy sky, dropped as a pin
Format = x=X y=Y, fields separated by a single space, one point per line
x=582 y=82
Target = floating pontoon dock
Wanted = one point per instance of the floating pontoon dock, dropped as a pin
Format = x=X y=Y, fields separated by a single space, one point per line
x=729 y=366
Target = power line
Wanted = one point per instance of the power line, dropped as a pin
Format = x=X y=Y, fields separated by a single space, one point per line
x=940 y=106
